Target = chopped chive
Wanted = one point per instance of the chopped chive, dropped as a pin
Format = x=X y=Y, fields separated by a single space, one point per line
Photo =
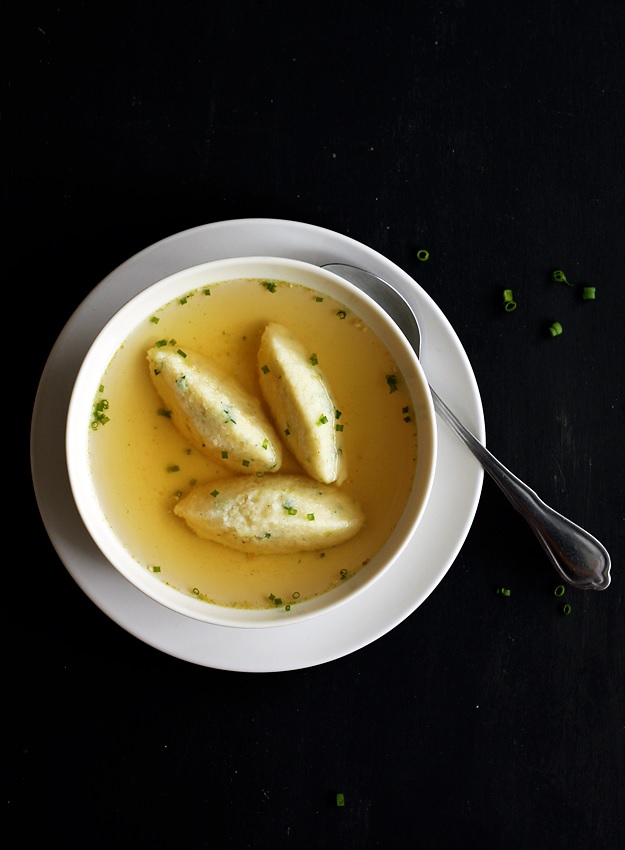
x=291 y=511
x=224 y=455
x=287 y=607
x=245 y=462
x=340 y=799
x=296 y=595
x=559 y=276
x=391 y=380
x=269 y=285
x=589 y=293
x=287 y=432
x=264 y=369
x=555 y=329
x=323 y=419
x=196 y=591
x=207 y=292
x=559 y=591
x=183 y=300
x=310 y=517
x=163 y=412
x=338 y=427
x=509 y=304
x=423 y=255
x=341 y=314
x=214 y=493
x=313 y=359
x=173 y=468
x=337 y=414
x=172 y=342
x=265 y=444
x=160 y=343
x=343 y=574
x=155 y=320
x=155 y=569
x=318 y=298
x=181 y=352
x=503 y=591
x=566 y=609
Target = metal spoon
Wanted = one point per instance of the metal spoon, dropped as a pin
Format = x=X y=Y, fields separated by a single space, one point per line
x=580 y=559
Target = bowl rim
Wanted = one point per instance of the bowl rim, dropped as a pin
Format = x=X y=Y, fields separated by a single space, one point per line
x=112 y=336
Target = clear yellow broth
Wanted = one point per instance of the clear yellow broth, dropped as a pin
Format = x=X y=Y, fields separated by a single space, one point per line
x=142 y=465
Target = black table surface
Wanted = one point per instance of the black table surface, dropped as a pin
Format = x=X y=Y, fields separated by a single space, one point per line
x=492 y=135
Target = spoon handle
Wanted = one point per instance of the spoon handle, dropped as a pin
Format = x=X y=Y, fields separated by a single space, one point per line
x=580 y=559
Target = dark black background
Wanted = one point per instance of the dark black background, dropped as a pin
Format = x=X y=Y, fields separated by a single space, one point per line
x=491 y=133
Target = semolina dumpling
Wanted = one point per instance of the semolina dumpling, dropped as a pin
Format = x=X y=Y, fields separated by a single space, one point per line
x=214 y=412
x=272 y=514
x=301 y=404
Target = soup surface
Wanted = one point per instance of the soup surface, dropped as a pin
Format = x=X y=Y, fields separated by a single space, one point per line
x=142 y=465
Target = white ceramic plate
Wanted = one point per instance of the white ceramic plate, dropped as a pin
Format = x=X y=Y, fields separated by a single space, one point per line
x=430 y=553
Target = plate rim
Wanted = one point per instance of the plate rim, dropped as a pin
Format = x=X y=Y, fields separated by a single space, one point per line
x=179 y=639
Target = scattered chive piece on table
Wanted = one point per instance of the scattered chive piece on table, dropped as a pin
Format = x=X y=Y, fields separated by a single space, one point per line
x=559 y=591
x=340 y=799
x=566 y=609
x=509 y=303
x=559 y=276
x=555 y=329
x=589 y=293
x=423 y=255
x=503 y=591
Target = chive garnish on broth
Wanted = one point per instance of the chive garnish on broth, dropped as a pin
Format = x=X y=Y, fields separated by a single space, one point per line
x=391 y=380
